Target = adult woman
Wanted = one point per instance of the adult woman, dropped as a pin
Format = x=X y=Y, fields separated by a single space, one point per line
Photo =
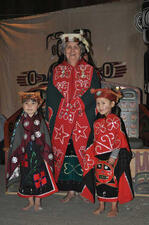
x=70 y=112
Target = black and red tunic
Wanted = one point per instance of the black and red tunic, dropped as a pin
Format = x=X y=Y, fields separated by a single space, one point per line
x=113 y=183
x=30 y=159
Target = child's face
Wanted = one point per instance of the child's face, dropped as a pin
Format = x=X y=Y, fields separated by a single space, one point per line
x=104 y=105
x=30 y=107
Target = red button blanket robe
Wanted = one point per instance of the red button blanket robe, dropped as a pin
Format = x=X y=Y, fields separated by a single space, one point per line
x=30 y=159
x=71 y=109
x=108 y=136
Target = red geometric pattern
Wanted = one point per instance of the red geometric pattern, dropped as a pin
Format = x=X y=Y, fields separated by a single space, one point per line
x=24 y=162
x=40 y=179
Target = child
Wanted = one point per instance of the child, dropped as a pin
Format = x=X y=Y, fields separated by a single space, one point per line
x=30 y=156
x=111 y=154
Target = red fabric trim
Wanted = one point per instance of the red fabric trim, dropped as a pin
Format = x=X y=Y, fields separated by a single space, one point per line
x=51 y=176
x=54 y=190
x=125 y=194
x=89 y=159
x=110 y=127
x=108 y=199
x=73 y=106
x=38 y=196
x=87 y=194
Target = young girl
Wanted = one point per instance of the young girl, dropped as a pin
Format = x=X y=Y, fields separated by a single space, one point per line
x=30 y=156
x=111 y=154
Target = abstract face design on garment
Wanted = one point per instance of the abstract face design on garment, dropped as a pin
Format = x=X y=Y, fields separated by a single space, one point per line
x=104 y=172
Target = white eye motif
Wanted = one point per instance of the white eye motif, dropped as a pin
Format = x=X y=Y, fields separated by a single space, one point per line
x=50 y=156
x=32 y=137
x=25 y=136
x=98 y=93
x=23 y=149
x=38 y=134
x=36 y=122
x=26 y=123
x=14 y=159
x=104 y=193
x=106 y=167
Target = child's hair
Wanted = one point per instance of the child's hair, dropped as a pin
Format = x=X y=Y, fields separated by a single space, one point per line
x=116 y=110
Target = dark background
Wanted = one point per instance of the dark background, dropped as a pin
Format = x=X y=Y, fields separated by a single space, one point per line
x=19 y=8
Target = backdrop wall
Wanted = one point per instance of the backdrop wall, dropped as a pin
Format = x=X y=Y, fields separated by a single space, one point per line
x=23 y=45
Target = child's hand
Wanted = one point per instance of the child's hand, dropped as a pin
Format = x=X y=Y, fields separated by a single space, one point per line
x=111 y=161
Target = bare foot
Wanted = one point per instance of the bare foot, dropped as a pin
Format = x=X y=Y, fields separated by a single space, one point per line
x=68 y=197
x=37 y=208
x=30 y=205
x=98 y=211
x=112 y=213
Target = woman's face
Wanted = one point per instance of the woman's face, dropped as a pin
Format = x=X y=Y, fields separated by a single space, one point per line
x=72 y=52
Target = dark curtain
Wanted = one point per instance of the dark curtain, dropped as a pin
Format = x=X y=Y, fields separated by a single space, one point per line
x=146 y=75
x=18 y=8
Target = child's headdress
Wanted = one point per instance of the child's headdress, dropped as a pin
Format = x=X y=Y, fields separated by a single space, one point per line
x=112 y=95
x=30 y=95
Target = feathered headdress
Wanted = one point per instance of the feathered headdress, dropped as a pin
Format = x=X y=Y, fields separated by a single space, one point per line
x=30 y=95
x=112 y=95
x=75 y=37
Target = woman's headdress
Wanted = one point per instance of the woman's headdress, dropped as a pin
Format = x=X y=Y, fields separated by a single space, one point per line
x=75 y=37
x=112 y=95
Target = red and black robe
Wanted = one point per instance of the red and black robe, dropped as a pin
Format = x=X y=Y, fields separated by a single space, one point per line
x=70 y=109
x=113 y=183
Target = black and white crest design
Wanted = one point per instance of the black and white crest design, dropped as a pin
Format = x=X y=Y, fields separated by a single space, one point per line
x=138 y=22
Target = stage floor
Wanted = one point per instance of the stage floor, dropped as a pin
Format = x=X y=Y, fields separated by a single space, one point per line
x=76 y=212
